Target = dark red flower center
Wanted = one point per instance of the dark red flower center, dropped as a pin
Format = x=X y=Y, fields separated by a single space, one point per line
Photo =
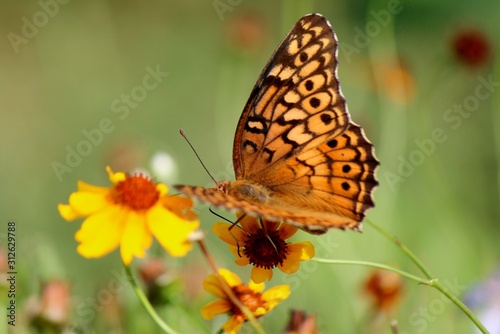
x=265 y=248
x=137 y=192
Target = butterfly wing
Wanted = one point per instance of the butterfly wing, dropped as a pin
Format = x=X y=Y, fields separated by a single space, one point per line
x=336 y=177
x=295 y=140
x=296 y=103
x=315 y=223
x=328 y=186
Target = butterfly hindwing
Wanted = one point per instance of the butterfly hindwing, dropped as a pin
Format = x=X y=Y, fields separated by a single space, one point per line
x=337 y=176
x=296 y=103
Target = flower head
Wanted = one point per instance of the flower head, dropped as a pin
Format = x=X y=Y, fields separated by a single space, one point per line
x=263 y=244
x=128 y=215
x=251 y=296
x=471 y=47
x=385 y=288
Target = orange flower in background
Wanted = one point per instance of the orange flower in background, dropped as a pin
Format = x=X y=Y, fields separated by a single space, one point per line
x=251 y=295
x=385 y=288
x=398 y=82
x=263 y=244
x=128 y=215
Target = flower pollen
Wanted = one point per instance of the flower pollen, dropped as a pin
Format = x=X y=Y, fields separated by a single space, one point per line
x=265 y=249
x=136 y=192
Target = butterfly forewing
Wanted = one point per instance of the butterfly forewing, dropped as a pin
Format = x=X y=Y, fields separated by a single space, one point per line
x=296 y=103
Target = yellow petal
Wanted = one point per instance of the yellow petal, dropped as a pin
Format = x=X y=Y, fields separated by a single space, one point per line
x=275 y=295
x=256 y=287
x=162 y=189
x=229 y=237
x=67 y=212
x=215 y=308
x=115 y=177
x=100 y=233
x=259 y=274
x=233 y=325
x=87 y=203
x=300 y=251
x=231 y=278
x=241 y=258
x=289 y=266
x=136 y=237
x=86 y=187
x=170 y=230
x=287 y=230
x=212 y=285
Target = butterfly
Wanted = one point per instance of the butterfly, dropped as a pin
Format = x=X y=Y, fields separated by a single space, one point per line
x=297 y=156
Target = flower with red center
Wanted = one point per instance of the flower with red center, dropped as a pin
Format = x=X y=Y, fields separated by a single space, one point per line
x=263 y=244
x=128 y=215
x=251 y=296
x=471 y=47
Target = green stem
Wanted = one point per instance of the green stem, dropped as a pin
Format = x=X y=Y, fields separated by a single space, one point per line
x=374 y=265
x=434 y=282
x=405 y=249
x=147 y=305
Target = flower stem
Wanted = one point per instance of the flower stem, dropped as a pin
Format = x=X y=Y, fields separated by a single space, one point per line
x=374 y=265
x=228 y=291
x=437 y=284
x=405 y=249
x=434 y=282
x=147 y=305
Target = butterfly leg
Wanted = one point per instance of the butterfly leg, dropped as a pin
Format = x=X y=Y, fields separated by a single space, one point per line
x=263 y=226
x=238 y=226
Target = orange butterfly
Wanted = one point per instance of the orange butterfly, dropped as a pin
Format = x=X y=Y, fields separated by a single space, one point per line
x=297 y=157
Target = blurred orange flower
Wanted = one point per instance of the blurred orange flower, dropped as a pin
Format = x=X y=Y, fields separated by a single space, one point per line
x=385 y=288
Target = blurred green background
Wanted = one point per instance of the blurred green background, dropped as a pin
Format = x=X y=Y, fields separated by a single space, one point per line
x=66 y=67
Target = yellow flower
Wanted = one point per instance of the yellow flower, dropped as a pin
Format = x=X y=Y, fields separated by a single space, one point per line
x=249 y=295
x=263 y=244
x=128 y=215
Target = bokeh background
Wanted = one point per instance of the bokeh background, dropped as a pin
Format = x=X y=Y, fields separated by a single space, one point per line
x=421 y=77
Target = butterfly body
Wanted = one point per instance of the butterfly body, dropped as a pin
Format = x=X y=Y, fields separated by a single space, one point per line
x=297 y=156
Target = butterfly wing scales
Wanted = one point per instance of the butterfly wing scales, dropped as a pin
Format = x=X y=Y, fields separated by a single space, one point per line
x=337 y=176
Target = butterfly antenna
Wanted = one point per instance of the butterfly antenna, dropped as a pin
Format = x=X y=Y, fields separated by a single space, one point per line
x=197 y=156
x=218 y=215
x=233 y=224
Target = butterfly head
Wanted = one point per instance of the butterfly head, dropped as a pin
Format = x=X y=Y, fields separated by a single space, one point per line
x=222 y=186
